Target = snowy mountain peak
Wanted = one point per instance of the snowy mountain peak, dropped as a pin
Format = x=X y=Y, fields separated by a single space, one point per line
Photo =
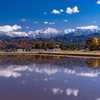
x=47 y=32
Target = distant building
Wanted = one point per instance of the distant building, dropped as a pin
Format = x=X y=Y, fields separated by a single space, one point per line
x=54 y=49
x=68 y=49
x=36 y=50
x=19 y=50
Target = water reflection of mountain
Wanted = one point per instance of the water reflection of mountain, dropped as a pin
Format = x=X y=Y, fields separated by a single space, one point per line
x=54 y=60
x=14 y=65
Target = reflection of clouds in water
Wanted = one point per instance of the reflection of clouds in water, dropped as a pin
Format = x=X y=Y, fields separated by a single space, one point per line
x=65 y=81
x=27 y=74
x=52 y=69
x=23 y=82
x=91 y=74
x=57 y=90
x=47 y=69
x=94 y=80
x=98 y=99
x=51 y=79
x=68 y=71
x=45 y=79
x=35 y=79
x=9 y=73
x=45 y=89
x=70 y=91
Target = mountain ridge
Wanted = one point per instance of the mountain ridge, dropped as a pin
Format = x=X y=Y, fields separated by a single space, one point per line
x=57 y=40
x=50 y=33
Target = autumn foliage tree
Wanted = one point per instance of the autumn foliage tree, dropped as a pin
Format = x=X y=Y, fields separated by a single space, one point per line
x=89 y=41
x=93 y=43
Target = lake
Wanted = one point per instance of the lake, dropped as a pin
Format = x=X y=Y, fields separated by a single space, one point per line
x=35 y=77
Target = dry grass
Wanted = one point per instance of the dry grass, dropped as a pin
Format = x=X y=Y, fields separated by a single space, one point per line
x=17 y=53
x=74 y=53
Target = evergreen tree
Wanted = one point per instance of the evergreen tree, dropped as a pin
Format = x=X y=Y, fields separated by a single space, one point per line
x=49 y=46
x=62 y=47
x=43 y=46
x=37 y=46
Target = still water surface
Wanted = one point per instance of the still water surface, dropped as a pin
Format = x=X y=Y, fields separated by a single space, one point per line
x=49 y=78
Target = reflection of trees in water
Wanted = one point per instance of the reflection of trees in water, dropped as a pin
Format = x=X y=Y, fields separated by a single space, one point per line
x=92 y=63
x=25 y=59
x=37 y=57
x=54 y=60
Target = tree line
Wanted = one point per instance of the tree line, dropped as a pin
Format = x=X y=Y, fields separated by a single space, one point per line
x=91 y=43
x=50 y=46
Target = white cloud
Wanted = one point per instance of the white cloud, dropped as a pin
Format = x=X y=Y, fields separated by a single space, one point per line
x=88 y=27
x=11 y=30
x=45 y=22
x=45 y=13
x=27 y=27
x=24 y=20
x=69 y=30
x=8 y=28
x=70 y=91
x=73 y=10
x=65 y=20
x=18 y=34
x=98 y=2
x=55 y=11
x=35 y=22
x=94 y=21
x=61 y=10
x=51 y=23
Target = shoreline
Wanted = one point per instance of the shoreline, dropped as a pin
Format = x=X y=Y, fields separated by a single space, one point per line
x=81 y=54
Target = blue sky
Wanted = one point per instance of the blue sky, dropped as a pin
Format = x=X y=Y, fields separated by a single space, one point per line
x=25 y=12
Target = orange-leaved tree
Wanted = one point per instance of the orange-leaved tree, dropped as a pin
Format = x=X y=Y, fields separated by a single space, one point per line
x=95 y=42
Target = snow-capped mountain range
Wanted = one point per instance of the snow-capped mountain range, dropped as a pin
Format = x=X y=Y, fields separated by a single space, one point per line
x=50 y=32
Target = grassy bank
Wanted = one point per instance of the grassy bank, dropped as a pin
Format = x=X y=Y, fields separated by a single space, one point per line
x=18 y=53
x=65 y=53
x=74 y=53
